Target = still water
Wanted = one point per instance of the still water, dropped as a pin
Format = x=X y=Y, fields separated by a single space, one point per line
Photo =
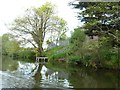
x=20 y=74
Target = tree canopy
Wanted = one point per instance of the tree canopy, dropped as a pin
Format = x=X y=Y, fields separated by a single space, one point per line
x=101 y=19
x=38 y=22
x=9 y=44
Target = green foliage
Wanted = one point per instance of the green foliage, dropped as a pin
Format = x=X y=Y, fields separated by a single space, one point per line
x=10 y=45
x=74 y=59
x=26 y=53
x=109 y=58
x=101 y=19
x=78 y=37
x=77 y=40
x=96 y=53
x=53 y=50
x=58 y=53
x=36 y=23
x=53 y=53
x=76 y=48
x=58 y=56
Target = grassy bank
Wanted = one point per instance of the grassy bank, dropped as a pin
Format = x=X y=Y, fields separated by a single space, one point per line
x=60 y=54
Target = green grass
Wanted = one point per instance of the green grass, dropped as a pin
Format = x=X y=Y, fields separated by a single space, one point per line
x=53 y=50
x=56 y=53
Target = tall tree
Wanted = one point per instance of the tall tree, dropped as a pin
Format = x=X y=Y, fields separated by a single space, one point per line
x=36 y=23
x=60 y=28
x=77 y=40
x=101 y=19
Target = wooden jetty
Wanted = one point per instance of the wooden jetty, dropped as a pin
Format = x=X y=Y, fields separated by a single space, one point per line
x=41 y=60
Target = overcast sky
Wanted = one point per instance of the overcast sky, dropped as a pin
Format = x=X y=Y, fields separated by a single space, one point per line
x=10 y=9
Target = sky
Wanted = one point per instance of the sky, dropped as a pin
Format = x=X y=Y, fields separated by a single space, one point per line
x=11 y=9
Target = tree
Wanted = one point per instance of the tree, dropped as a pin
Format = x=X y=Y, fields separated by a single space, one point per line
x=77 y=41
x=9 y=44
x=101 y=19
x=78 y=37
x=36 y=23
x=60 y=29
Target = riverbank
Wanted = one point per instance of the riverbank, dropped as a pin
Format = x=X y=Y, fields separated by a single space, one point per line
x=63 y=55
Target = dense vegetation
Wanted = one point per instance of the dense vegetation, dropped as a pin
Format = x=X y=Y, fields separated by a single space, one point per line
x=83 y=51
x=101 y=19
x=95 y=44
x=11 y=47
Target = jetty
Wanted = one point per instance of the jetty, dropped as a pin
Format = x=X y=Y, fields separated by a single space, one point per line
x=41 y=60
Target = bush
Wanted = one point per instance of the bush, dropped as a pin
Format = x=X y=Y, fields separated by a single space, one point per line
x=27 y=54
x=75 y=60
x=113 y=61
x=58 y=55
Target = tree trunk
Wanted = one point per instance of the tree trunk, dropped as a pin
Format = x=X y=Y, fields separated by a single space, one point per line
x=40 y=51
x=40 y=47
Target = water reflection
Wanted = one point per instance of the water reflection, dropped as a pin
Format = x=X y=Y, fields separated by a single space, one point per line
x=26 y=69
x=53 y=79
x=94 y=79
x=17 y=78
x=8 y=64
x=34 y=75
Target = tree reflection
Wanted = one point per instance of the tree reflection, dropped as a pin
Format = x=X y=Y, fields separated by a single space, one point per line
x=8 y=64
x=47 y=78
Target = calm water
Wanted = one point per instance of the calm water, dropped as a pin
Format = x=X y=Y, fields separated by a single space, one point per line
x=19 y=74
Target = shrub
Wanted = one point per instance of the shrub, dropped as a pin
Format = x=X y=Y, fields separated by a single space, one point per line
x=26 y=53
x=75 y=59
x=58 y=55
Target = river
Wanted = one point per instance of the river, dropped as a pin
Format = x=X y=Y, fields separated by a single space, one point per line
x=21 y=74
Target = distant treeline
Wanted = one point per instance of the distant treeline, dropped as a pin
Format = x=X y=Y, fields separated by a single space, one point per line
x=11 y=47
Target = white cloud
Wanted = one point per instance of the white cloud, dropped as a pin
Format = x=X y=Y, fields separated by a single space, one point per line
x=10 y=9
